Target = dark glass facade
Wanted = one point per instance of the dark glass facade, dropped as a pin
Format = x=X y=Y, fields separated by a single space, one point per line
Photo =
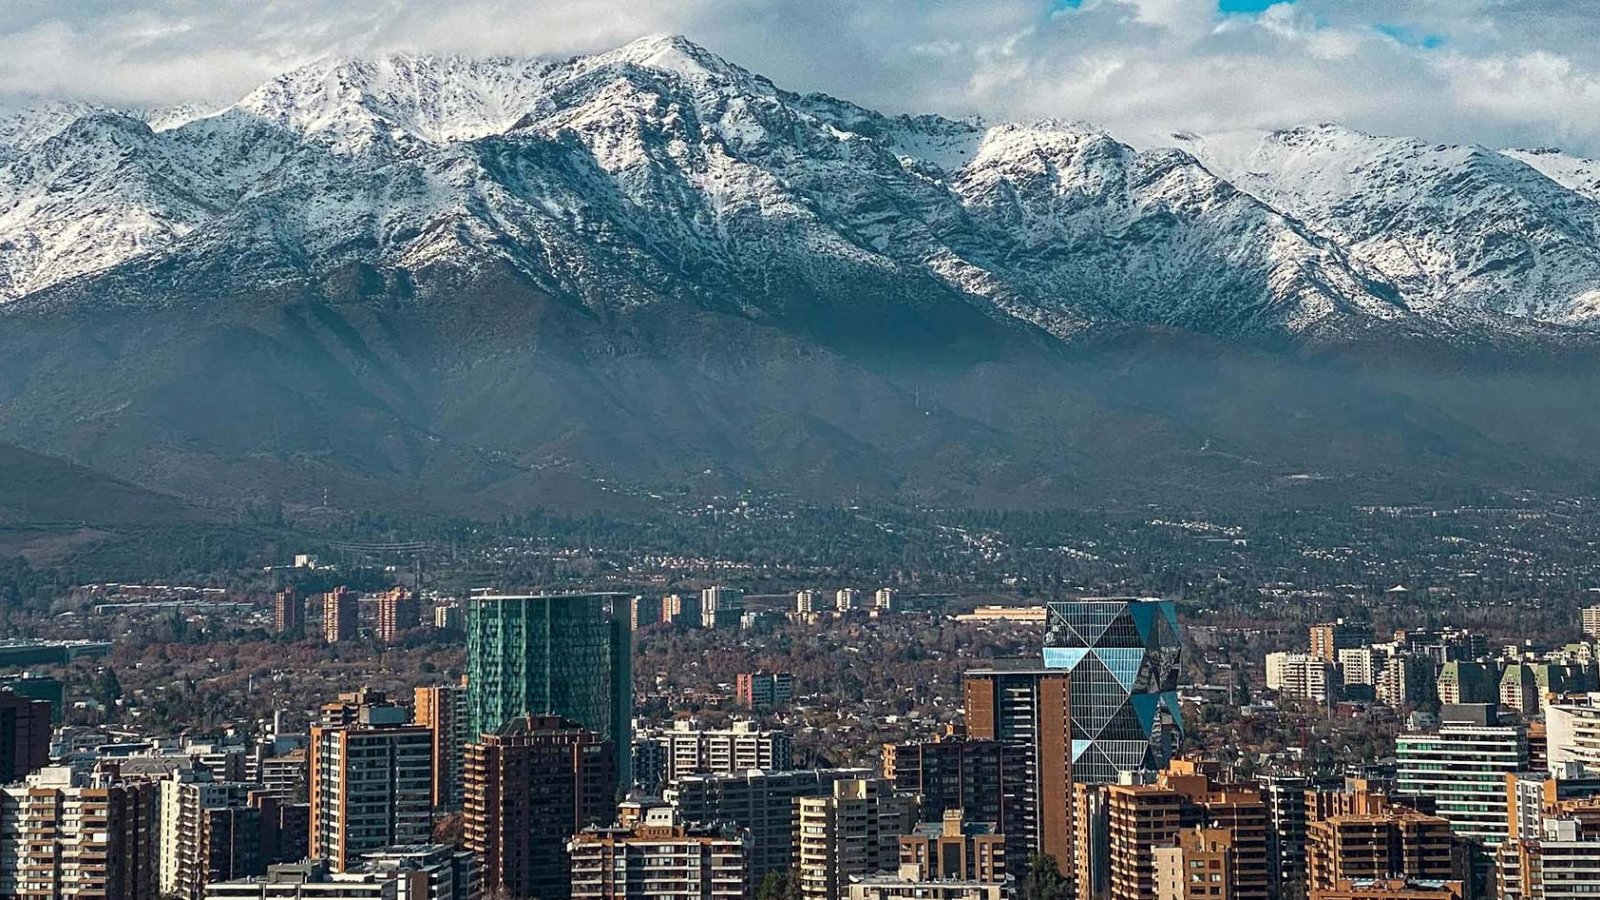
x=568 y=655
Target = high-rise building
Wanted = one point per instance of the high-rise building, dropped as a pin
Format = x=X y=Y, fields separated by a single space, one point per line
x=67 y=835
x=1285 y=796
x=849 y=832
x=684 y=612
x=398 y=612
x=341 y=616
x=288 y=612
x=1360 y=666
x=1122 y=655
x=1462 y=767
x=644 y=611
x=566 y=655
x=1198 y=866
x=1328 y=638
x=763 y=802
x=209 y=832
x=1301 y=676
x=1572 y=733
x=805 y=602
x=883 y=600
x=690 y=749
x=1591 y=621
x=721 y=607
x=24 y=736
x=1466 y=682
x=1375 y=840
x=955 y=848
x=985 y=780
x=764 y=690
x=530 y=786
x=661 y=857
x=1027 y=706
x=371 y=786
x=1145 y=817
x=1406 y=679
x=846 y=599
x=442 y=709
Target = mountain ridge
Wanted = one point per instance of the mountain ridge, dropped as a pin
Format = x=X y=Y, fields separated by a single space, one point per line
x=659 y=169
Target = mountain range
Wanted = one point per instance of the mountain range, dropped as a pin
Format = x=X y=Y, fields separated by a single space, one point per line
x=483 y=284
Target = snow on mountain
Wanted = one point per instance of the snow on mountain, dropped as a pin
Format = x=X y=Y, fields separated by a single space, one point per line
x=659 y=172
x=1571 y=172
x=1455 y=228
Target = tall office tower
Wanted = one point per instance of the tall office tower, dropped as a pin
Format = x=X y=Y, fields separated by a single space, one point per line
x=1198 y=866
x=953 y=847
x=341 y=615
x=984 y=779
x=288 y=612
x=1462 y=767
x=1375 y=842
x=566 y=655
x=371 y=786
x=398 y=612
x=442 y=709
x=1122 y=655
x=1027 y=706
x=1301 y=676
x=805 y=602
x=1559 y=859
x=24 y=736
x=846 y=599
x=721 y=607
x=209 y=832
x=644 y=611
x=530 y=786
x=883 y=600
x=661 y=856
x=692 y=750
x=853 y=830
x=67 y=835
x=1591 y=621
x=764 y=690
x=762 y=802
x=1144 y=817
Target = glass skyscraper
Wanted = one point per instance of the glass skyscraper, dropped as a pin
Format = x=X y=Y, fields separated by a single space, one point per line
x=568 y=655
x=1122 y=656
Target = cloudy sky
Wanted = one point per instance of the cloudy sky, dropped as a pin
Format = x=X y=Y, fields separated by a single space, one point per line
x=1499 y=72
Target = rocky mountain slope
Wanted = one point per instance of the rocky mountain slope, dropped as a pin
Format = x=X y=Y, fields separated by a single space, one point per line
x=480 y=285
x=659 y=172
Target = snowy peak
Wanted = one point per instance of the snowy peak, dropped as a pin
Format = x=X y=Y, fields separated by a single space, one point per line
x=677 y=56
x=355 y=104
x=660 y=173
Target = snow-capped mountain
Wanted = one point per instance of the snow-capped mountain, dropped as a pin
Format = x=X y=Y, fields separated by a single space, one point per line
x=660 y=173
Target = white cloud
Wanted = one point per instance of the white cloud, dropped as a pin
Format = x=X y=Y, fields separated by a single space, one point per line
x=1504 y=71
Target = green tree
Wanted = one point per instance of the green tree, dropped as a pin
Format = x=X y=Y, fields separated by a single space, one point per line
x=779 y=886
x=1044 y=881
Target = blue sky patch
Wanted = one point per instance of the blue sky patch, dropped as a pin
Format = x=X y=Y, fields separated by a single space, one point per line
x=1410 y=36
x=1247 y=6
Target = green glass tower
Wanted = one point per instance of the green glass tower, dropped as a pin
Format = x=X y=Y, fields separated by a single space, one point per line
x=563 y=654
